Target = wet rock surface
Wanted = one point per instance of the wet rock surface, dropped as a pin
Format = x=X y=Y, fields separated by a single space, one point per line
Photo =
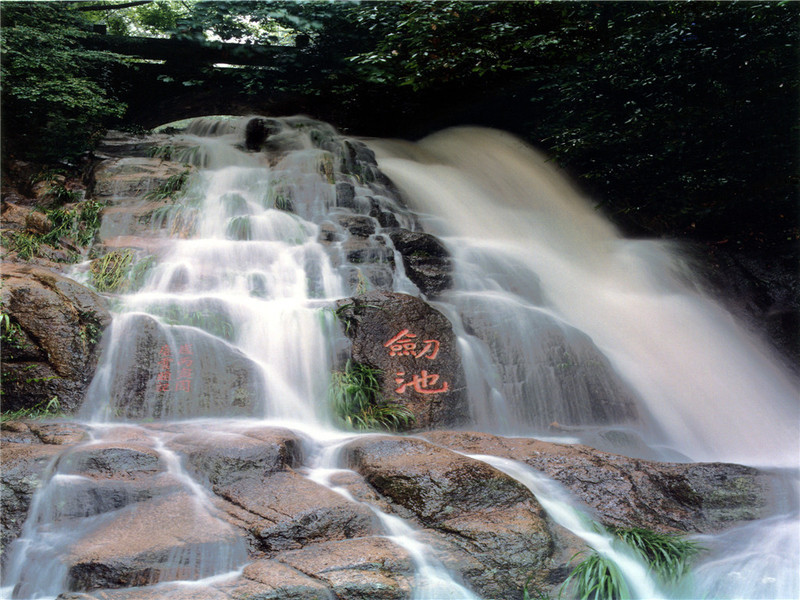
x=669 y=497
x=427 y=262
x=414 y=347
x=305 y=540
x=219 y=379
x=53 y=346
x=484 y=516
x=24 y=460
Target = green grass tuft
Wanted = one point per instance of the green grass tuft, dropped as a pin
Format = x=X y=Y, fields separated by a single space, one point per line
x=44 y=410
x=667 y=555
x=357 y=401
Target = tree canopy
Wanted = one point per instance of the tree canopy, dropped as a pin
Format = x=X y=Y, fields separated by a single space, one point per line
x=681 y=118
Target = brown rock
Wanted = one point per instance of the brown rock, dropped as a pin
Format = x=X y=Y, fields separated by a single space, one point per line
x=622 y=491
x=223 y=457
x=427 y=262
x=56 y=352
x=294 y=511
x=490 y=517
x=23 y=469
x=272 y=580
x=117 y=179
x=168 y=538
x=360 y=569
x=414 y=347
x=222 y=380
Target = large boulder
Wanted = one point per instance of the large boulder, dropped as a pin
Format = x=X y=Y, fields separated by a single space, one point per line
x=164 y=371
x=489 y=527
x=415 y=349
x=631 y=492
x=252 y=470
x=51 y=347
x=166 y=538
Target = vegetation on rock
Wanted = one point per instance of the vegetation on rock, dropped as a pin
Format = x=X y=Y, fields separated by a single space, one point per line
x=357 y=401
x=50 y=409
x=667 y=555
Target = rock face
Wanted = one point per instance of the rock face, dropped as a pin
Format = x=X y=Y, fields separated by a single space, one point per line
x=166 y=372
x=139 y=193
x=414 y=347
x=26 y=454
x=302 y=539
x=495 y=533
x=52 y=349
x=669 y=497
x=427 y=262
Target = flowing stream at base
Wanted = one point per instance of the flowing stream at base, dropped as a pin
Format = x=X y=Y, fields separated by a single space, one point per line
x=235 y=322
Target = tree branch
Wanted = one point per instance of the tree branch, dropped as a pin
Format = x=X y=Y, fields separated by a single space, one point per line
x=113 y=6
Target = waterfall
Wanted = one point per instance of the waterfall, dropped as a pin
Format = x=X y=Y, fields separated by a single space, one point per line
x=536 y=257
x=564 y=328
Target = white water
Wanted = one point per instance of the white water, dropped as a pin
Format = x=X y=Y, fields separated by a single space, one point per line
x=559 y=507
x=548 y=299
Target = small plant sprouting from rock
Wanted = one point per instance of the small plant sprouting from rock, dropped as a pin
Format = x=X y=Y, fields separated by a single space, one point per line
x=9 y=330
x=357 y=402
x=56 y=190
x=667 y=555
x=75 y=227
x=119 y=271
x=171 y=188
x=78 y=224
x=26 y=245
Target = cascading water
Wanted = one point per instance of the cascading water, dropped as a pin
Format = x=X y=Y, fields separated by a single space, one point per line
x=531 y=244
x=535 y=257
x=558 y=320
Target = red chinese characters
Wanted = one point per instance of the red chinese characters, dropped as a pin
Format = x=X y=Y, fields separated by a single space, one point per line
x=402 y=345
x=183 y=381
x=420 y=383
x=164 y=374
x=405 y=344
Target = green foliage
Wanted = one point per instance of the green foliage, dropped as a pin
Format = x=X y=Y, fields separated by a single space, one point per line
x=44 y=410
x=56 y=189
x=76 y=226
x=667 y=555
x=156 y=19
x=55 y=93
x=79 y=224
x=357 y=401
x=597 y=578
x=9 y=330
x=26 y=245
x=172 y=188
x=111 y=272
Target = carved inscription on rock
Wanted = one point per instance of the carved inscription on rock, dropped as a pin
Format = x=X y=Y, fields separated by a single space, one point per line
x=414 y=346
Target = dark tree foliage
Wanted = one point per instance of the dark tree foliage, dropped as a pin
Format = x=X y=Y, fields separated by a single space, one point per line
x=680 y=118
x=56 y=97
